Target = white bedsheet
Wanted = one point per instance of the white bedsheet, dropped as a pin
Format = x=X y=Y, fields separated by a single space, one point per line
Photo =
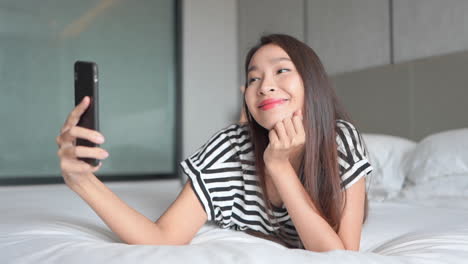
x=51 y=224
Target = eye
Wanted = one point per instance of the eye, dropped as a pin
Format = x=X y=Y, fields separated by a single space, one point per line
x=283 y=70
x=252 y=80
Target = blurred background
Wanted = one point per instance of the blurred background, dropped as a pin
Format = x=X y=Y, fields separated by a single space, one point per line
x=134 y=44
x=170 y=71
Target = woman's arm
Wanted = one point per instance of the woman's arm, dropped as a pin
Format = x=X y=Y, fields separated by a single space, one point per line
x=315 y=232
x=353 y=215
x=177 y=226
x=182 y=220
x=286 y=143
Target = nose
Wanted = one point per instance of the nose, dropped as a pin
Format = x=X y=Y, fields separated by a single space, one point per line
x=266 y=87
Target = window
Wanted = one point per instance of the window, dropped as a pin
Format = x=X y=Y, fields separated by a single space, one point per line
x=134 y=43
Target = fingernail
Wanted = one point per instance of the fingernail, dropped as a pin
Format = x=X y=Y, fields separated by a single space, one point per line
x=99 y=139
x=106 y=154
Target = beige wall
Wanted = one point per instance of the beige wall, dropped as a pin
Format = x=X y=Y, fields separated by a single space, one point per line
x=209 y=67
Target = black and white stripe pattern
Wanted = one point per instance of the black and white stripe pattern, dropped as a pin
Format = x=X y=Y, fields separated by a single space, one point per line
x=222 y=173
x=352 y=156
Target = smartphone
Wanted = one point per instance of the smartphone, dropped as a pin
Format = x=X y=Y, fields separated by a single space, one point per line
x=86 y=84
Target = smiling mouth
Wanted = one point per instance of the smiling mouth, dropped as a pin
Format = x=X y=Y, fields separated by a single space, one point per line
x=272 y=104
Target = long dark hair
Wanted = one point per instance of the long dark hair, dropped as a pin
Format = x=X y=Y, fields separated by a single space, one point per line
x=321 y=176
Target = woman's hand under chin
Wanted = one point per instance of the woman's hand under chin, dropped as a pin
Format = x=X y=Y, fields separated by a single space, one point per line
x=287 y=139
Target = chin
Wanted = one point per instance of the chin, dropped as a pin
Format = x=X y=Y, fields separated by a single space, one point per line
x=269 y=121
x=269 y=124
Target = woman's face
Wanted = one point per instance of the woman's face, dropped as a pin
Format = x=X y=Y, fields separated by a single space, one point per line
x=275 y=89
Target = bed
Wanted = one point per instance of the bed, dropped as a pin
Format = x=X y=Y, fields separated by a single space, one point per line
x=418 y=214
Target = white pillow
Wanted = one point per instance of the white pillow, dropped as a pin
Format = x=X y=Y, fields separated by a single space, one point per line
x=386 y=155
x=438 y=156
x=448 y=186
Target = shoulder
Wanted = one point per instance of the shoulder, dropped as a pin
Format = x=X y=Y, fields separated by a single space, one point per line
x=349 y=141
x=234 y=133
x=347 y=135
x=223 y=145
x=345 y=125
x=352 y=153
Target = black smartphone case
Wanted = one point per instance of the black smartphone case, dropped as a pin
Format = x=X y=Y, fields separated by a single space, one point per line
x=86 y=84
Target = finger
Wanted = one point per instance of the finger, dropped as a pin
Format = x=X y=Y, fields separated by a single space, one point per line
x=289 y=126
x=95 y=169
x=75 y=115
x=298 y=113
x=281 y=132
x=72 y=152
x=65 y=152
x=85 y=133
x=58 y=140
x=64 y=139
x=298 y=126
x=273 y=137
x=87 y=152
x=68 y=137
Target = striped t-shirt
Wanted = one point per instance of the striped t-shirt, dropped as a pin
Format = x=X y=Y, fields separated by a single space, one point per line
x=222 y=174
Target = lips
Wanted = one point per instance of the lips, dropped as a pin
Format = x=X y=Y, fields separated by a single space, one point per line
x=270 y=103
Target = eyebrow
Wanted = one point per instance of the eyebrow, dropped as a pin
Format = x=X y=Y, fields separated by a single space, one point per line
x=272 y=61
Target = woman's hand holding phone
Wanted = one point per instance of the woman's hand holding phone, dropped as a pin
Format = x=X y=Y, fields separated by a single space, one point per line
x=73 y=169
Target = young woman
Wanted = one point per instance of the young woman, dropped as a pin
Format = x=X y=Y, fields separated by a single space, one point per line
x=293 y=173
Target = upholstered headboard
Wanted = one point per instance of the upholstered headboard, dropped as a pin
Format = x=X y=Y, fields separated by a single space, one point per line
x=411 y=99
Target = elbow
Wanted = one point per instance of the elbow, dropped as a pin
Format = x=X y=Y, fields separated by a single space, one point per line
x=159 y=237
x=159 y=243
x=352 y=248
x=325 y=247
x=144 y=242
